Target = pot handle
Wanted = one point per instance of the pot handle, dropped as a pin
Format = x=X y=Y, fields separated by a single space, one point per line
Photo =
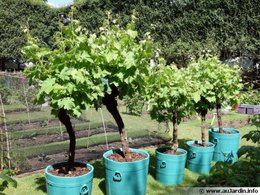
x=84 y=190
x=163 y=165
x=215 y=141
x=117 y=177
x=192 y=155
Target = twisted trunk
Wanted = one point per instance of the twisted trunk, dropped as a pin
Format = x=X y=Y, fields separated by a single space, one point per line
x=220 y=128
x=109 y=100
x=65 y=120
x=203 y=127
x=175 y=143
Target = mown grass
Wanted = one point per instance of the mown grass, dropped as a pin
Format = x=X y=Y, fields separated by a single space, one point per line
x=55 y=130
x=13 y=107
x=22 y=117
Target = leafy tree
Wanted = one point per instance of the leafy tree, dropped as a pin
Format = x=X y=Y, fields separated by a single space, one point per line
x=134 y=105
x=249 y=95
x=183 y=28
x=86 y=70
x=169 y=96
x=214 y=83
x=14 y=17
x=226 y=84
x=201 y=73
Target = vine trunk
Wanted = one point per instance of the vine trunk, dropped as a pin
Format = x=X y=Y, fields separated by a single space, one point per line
x=65 y=120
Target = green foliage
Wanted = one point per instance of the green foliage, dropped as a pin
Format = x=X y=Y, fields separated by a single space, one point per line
x=231 y=26
x=169 y=90
x=82 y=67
x=250 y=96
x=6 y=180
x=214 y=83
x=183 y=28
x=134 y=105
x=5 y=93
x=11 y=90
x=244 y=171
x=16 y=15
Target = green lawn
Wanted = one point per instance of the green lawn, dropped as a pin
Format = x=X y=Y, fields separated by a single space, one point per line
x=12 y=107
x=35 y=184
x=22 y=117
x=29 y=133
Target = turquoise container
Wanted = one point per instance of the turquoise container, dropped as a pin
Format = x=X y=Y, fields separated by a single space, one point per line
x=199 y=158
x=226 y=145
x=79 y=185
x=126 y=178
x=170 y=168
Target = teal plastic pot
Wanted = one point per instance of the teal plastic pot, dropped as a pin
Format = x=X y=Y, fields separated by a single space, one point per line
x=199 y=158
x=126 y=178
x=170 y=168
x=78 y=185
x=226 y=145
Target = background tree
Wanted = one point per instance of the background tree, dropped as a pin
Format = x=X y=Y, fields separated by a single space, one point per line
x=225 y=84
x=169 y=96
x=183 y=28
x=14 y=17
x=201 y=73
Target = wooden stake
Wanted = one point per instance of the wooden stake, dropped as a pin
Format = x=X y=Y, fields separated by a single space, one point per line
x=6 y=134
x=104 y=127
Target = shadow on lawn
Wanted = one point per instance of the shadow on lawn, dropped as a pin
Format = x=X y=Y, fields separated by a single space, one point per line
x=99 y=173
x=40 y=183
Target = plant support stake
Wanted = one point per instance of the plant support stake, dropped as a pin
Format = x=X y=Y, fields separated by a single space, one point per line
x=6 y=134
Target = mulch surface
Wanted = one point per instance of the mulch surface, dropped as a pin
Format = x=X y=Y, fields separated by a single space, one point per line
x=170 y=151
x=131 y=157
x=200 y=145
x=77 y=171
x=227 y=132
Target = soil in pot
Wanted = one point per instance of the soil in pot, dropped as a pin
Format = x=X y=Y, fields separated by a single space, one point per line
x=227 y=132
x=132 y=156
x=197 y=144
x=60 y=170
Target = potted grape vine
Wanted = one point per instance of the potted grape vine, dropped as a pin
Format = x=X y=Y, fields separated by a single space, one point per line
x=200 y=152
x=127 y=60
x=226 y=84
x=86 y=70
x=65 y=76
x=169 y=97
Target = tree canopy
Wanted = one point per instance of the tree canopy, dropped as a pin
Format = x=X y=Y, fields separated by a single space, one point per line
x=184 y=29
